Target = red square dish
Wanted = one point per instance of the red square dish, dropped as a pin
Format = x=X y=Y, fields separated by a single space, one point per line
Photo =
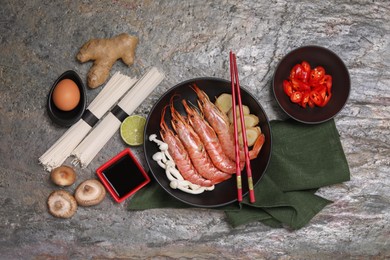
x=123 y=175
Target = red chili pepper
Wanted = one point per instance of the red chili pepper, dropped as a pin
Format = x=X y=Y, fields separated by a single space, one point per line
x=287 y=87
x=317 y=74
x=306 y=66
x=296 y=97
x=316 y=97
x=305 y=76
x=294 y=84
x=326 y=100
x=306 y=71
x=305 y=99
x=321 y=89
x=304 y=86
x=299 y=85
x=327 y=80
x=311 y=103
x=296 y=72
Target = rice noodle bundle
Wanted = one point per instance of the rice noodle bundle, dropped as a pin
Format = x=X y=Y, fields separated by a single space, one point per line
x=99 y=136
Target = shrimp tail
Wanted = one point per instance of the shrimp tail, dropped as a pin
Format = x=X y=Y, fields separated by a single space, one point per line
x=257 y=147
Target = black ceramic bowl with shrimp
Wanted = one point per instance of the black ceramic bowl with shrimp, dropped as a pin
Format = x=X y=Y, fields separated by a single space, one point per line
x=226 y=192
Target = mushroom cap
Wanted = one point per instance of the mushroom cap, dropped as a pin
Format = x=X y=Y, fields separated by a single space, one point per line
x=90 y=192
x=61 y=204
x=63 y=176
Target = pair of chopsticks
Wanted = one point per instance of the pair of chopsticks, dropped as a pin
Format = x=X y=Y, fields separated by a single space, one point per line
x=236 y=91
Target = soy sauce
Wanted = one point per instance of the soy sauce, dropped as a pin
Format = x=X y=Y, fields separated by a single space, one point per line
x=124 y=175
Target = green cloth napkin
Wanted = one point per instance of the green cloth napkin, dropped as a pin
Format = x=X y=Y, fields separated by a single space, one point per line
x=304 y=158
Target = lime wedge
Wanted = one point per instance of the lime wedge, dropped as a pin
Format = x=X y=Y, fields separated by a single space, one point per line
x=132 y=130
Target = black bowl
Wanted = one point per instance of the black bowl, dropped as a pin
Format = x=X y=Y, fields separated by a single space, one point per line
x=225 y=192
x=67 y=118
x=333 y=65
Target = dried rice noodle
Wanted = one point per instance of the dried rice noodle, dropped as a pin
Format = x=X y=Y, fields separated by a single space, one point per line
x=99 y=136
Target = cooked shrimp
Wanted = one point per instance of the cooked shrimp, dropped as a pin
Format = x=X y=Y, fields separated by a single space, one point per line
x=220 y=123
x=180 y=156
x=195 y=149
x=210 y=141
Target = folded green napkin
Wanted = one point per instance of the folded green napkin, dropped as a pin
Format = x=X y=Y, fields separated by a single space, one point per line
x=304 y=158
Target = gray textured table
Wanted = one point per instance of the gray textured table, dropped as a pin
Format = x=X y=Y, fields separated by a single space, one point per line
x=39 y=41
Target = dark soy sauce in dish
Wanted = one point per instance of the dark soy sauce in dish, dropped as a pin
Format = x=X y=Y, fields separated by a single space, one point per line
x=124 y=176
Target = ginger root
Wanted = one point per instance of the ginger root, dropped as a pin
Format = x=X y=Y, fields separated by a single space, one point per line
x=104 y=53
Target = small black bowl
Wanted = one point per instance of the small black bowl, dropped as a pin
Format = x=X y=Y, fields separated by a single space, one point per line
x=67 y=118
x=333 y=65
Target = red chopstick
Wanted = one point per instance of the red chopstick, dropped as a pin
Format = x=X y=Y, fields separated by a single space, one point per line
x=236 y=90
x=236 y=144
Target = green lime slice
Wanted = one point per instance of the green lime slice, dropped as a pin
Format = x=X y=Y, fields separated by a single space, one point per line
x=132 y=130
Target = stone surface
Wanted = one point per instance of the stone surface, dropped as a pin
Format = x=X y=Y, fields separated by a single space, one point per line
x=186 y=39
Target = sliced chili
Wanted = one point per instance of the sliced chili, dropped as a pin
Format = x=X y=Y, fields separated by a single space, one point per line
x=316 y=97
x=327 y=81
x=317 y=74
x=296 y=72
x=307 y=86
x=322 y=91
x=287 y=87
x=326 y=99
x=311 y=103
x=306 y=71
x=305 y=99
x=306 y=66
x=296 y=97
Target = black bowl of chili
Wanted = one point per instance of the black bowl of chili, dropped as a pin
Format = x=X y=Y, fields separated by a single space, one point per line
x=311 y=84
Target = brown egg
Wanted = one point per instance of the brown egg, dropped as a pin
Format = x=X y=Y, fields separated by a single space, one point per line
x=66 y=95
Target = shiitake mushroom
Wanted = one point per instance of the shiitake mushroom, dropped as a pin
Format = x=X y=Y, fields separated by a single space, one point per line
x=89 y=193
x=63 y=176
x=62 y=204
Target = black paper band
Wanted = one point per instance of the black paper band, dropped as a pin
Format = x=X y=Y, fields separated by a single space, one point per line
x=118 y=112
x=89 y=118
